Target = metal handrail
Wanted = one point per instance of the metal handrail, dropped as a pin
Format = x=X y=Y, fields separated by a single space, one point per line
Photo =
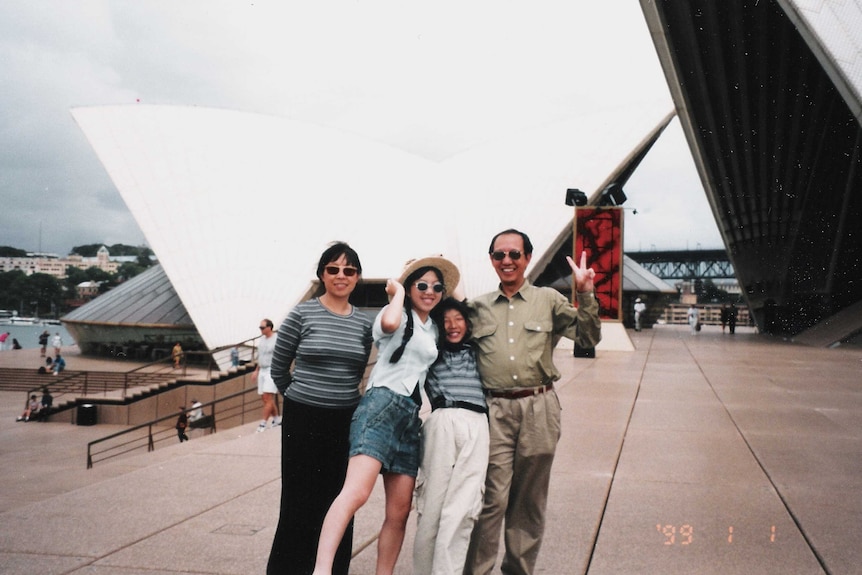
x=70 y=380
x=163 y=433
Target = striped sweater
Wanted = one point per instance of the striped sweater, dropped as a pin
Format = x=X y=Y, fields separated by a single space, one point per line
x=329 y=353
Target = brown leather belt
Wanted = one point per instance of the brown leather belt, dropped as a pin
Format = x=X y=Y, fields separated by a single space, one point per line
x=518 y=393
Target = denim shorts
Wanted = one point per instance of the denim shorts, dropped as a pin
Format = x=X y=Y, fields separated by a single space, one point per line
x=386 y=426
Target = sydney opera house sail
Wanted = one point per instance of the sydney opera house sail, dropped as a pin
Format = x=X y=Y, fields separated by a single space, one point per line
x=238 y=206
x=768 y=94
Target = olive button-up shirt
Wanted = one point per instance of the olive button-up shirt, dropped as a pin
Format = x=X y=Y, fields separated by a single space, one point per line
x=516 y=336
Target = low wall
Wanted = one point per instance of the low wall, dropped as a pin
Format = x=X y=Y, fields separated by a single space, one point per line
x=168 y=403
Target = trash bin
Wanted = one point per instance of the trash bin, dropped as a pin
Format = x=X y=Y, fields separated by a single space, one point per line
x=86 y=414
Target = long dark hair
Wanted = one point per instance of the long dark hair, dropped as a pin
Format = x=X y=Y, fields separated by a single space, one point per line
x=329 y=255
x=408 y=307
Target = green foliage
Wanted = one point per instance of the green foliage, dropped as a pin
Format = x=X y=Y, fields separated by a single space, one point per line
x=9 y=252
x=37 y=294
x=712 y=293
x=129 y=270
x=116 y=250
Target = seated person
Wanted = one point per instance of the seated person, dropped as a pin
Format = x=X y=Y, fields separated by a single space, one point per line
x=197 y=419
x=196 y=412
x=47 y=399
x=32 y=409
x=47 y=367
x=59 y=364
x=44 y=405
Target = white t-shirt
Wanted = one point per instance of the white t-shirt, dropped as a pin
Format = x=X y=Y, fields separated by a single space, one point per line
x=421 y=351
x=265 y=347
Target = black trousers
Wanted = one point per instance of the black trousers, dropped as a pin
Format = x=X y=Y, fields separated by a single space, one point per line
x=314 y=450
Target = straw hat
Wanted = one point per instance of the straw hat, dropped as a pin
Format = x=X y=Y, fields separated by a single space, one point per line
x=451 y=276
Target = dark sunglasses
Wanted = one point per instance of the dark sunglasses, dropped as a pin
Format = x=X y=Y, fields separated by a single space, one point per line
x=347 y=271
x=423 y=286
x=262 y=327
x=514 y=254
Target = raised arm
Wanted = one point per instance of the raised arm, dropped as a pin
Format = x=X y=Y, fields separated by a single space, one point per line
x=391 y=318
x=584 y=276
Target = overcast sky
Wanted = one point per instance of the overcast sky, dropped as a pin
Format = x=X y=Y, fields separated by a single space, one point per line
x=434 y=78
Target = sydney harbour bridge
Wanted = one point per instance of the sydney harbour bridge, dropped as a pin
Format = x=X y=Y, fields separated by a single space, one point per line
x=685 y=265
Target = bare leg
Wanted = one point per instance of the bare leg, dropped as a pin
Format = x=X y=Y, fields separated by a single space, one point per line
x=399 y=496
x=269 y=408
x=362 y=472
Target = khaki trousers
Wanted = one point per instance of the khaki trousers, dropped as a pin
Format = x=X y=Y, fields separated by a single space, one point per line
x=449 y=489
x=524 y=436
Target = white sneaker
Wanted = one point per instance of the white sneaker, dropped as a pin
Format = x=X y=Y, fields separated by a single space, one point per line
x=261 y=427
x=276 y=423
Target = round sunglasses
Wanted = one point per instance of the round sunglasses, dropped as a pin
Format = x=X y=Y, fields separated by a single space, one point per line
x=424 y=286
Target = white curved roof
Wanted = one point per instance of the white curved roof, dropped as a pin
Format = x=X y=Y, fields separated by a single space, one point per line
x=238 y=206
x=831 y=28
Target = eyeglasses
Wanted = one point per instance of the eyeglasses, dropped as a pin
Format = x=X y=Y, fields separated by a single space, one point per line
x=514 y=254
x=423 y=286
x=262 y=327
x=347 y=271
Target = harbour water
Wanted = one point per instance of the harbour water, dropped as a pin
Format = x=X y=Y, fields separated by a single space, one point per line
x=28 y=335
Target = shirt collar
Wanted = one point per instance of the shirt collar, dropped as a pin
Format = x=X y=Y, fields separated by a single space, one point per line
x=522 y=293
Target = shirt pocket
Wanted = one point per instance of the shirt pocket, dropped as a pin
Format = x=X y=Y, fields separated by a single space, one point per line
x=538 y=333
x=538 y=326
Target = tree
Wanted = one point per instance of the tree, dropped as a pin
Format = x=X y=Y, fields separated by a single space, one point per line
x=9 y=252
x=36 y=294
x=116 y=250
x=74 y=276
x=10 y=289
x=44 y=292
x=128 y=270
x=87 y=250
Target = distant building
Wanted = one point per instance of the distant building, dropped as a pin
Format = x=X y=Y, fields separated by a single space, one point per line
x=54 y=265
x=87 y=290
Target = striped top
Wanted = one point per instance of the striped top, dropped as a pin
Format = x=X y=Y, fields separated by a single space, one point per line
x=455 y=377
x=328 y=351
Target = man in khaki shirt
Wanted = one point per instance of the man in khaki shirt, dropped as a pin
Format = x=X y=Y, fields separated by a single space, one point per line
x=515 y=330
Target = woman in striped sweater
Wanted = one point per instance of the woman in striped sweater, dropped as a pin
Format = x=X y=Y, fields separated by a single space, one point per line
x=327 y=341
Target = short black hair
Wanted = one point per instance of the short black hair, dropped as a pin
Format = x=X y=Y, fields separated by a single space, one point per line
x=335 y=251
x=528 y=245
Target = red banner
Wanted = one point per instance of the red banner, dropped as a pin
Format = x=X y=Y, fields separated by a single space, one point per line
x=599 y=232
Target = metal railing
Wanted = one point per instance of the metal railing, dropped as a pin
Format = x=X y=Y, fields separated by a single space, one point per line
x=710 y=314
x=154 y=373
x=158 y=431
x=239 y=411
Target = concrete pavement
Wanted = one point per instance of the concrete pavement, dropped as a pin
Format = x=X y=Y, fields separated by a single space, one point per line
x=691 y=454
